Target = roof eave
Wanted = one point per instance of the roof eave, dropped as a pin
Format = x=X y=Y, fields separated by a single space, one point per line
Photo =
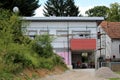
x=70 y=19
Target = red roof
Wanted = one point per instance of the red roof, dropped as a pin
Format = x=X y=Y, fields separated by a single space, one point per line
x=111 y=28
x=83 y=44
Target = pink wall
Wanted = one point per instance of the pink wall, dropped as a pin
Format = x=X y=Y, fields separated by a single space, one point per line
x=65 y=56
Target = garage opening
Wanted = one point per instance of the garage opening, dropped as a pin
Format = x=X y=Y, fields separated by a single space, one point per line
x=82 y=53
x=82 y=60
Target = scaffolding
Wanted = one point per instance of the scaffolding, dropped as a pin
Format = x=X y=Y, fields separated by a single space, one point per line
x=63 y=35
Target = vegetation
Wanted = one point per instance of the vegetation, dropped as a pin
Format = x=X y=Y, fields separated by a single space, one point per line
x=100 y=11
x=60 y=8
x=114 y=79
x=26 y=7
x=114 y=12
x=18 y=52
x=110 y=14
x=42 y=46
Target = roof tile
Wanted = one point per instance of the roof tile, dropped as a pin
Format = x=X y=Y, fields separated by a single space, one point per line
x=111 y=28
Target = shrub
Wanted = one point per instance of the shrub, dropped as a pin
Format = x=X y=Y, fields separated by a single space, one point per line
x=46 y=63
x=42 y=46
x=6 y=76
x=18 y=57
x=57 y=60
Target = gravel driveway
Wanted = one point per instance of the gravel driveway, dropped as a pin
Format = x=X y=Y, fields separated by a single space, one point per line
x=77 y=74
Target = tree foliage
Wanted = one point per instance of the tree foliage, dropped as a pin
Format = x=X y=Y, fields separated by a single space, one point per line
x=60 y=8
x=26 y=7
x=99 y=11
x=11 y=27
x=42 y=45
x=114 y=12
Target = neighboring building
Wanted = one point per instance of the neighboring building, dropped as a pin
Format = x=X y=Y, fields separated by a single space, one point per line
x=109 y=37
x=75 y=37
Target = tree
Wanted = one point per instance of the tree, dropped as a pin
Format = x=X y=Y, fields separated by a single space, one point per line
x=99 y=11
x=26 y=7
x=13 y=56
x=60 y=8
x=11 y=27
x=114 y=12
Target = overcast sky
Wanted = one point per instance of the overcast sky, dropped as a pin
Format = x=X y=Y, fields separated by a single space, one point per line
x=82 y=4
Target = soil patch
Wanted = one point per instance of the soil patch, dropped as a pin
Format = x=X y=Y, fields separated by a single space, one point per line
x=78 y=74
x=37 y=73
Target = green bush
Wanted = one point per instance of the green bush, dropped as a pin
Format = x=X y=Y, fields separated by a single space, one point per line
x=46 y=63
x=50 y=63
x=57 y=60
x=18 y=57
x=6 y=76
x=42 y=46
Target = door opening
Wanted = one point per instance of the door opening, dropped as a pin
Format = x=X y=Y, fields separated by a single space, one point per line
x=82 y=60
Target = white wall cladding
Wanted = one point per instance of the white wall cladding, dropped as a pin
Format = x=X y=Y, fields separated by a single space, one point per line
x=115 y=50
x=52 y=27
x=62 y=24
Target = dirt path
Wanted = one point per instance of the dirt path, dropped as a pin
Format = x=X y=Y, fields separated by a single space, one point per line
x=78 y=74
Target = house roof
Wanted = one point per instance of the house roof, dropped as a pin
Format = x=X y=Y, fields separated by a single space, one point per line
x=82 y=44
x=72 y=19
x=111 y=28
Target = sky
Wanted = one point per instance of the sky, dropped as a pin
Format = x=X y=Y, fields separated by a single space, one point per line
x=83 y=5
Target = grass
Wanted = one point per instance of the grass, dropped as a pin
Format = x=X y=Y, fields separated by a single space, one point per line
x=115 y=78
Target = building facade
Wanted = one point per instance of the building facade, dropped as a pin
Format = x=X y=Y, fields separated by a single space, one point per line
x=75 y=38
x=110 y=40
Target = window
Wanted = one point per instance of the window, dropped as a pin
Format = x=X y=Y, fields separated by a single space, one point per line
x=98 y=35
x=81 y=34
x=44 y=32
x=32 y=33
x=32 y=36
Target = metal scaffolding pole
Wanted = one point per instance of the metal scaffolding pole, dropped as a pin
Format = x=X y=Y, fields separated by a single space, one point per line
x=68 y=41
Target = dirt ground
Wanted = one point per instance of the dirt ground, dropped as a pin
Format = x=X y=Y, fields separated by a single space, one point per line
x=77 y=74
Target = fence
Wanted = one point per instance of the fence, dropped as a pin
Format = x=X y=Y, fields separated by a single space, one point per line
x=115 y=66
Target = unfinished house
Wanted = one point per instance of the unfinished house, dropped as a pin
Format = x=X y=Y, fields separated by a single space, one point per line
x=75 y=37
